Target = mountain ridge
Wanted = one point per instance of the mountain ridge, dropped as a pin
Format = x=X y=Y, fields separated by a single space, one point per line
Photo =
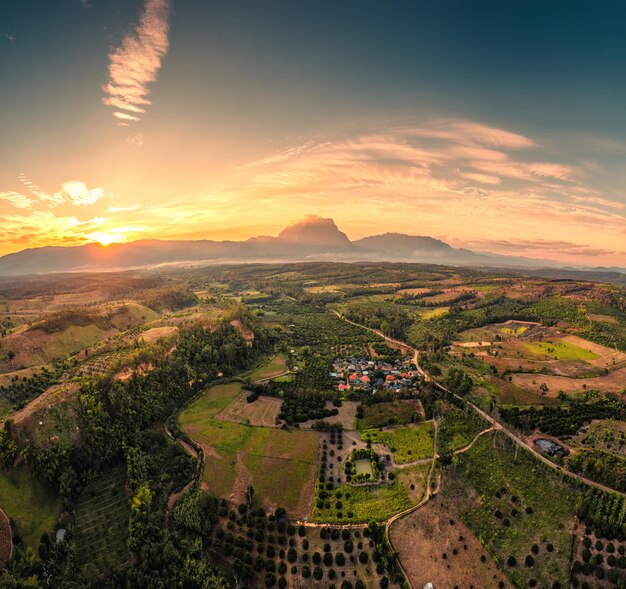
x=311 y=238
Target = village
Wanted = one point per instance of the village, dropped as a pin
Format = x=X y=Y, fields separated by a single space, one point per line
x=367 y=375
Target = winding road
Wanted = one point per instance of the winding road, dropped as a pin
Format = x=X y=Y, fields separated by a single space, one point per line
x=496 y=425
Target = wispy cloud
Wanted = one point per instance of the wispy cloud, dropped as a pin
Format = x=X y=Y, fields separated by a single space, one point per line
x=447 y=177
x=72 y=192
x=16 y=199
x=8 y=36
x=136 y=62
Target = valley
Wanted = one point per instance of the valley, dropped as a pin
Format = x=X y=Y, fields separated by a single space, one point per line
x=263 y=412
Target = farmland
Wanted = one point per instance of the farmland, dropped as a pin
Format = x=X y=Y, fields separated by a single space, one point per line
x=237 y=455
x=102 y=513
x=406 y=443
x=247 y=379
x=32 y=506
x=513 y=505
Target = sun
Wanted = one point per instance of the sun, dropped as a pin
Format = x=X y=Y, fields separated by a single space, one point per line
x=105 y=238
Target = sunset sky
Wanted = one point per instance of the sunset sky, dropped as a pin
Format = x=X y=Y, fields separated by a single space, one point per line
x=497 y=126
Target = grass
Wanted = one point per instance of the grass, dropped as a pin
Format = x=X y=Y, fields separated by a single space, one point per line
x=364 y=503
x=276 y=366
x=433 y=313
x=33 y=507
x=266 y=455
x=458 y=429
x=407 y=443
x=560 y=350
x=102 y=513
x=502 y=481
x=378 y=502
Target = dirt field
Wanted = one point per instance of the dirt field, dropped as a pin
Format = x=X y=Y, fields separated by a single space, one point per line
x=156 y=333
x=262 y=412
x=424 y=536
x=614 y=382
x=346 y=416
x=414 y=291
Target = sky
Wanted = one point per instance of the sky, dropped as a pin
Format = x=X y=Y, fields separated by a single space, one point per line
x=497 y=126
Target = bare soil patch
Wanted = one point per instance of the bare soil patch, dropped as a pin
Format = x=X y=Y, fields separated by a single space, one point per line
x=423 y=537
x=614 y=382
x=346 y=416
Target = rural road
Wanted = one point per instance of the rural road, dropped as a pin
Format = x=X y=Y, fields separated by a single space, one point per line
x=497 y=426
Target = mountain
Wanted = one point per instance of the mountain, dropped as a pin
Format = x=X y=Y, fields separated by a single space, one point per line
x=312 y=238
x=315 y=231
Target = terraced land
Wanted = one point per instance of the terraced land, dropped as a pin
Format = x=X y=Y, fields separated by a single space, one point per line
x=237 y=455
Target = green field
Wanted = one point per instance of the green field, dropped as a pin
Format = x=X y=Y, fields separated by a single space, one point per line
x=457 y=429
x=560 y=349
x=102 y=513
x=276 y=366
x=235 y=452
x=33 y=507
x=433 y=313
x=409 y=443
x=500 y=489
x=378 y=502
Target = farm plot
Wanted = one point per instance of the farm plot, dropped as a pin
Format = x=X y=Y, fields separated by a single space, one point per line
x=398 y=412
x=610 y=383
x=408 y=444
x=32 y=506
x=276 y=366
x=458 y=429
x=237 y=455
x=262 y=412
x=559 y=349
x=519 y=511
x=102 y=514
x=434 y=546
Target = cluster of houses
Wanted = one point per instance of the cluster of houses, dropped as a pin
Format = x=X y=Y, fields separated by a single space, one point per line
x=372 y=375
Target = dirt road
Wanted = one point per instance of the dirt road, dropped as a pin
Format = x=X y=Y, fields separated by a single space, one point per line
x=495 y=423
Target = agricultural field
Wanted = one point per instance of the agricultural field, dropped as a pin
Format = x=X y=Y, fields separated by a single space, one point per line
x=262 y=412
x=398 y=412
x=101 y=529
x=435 y=546
x=275 y=367
x=354 y=504
x=238 y=455
x=520 y=512
x=602 y=434
x=559 y=350
x=299 y=556
x=34 y=508
x=457 y=429
x=407 y=444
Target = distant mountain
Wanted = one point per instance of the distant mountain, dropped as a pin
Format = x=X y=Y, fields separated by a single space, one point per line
x=315 y=231
x=313 y=238
x=410 y=246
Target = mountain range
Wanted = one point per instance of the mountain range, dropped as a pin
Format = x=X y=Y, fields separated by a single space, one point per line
x=313 y=238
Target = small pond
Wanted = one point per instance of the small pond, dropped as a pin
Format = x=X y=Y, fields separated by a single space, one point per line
x=363 y=466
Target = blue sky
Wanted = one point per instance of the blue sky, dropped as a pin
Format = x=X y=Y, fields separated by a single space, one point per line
x=243 y=116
